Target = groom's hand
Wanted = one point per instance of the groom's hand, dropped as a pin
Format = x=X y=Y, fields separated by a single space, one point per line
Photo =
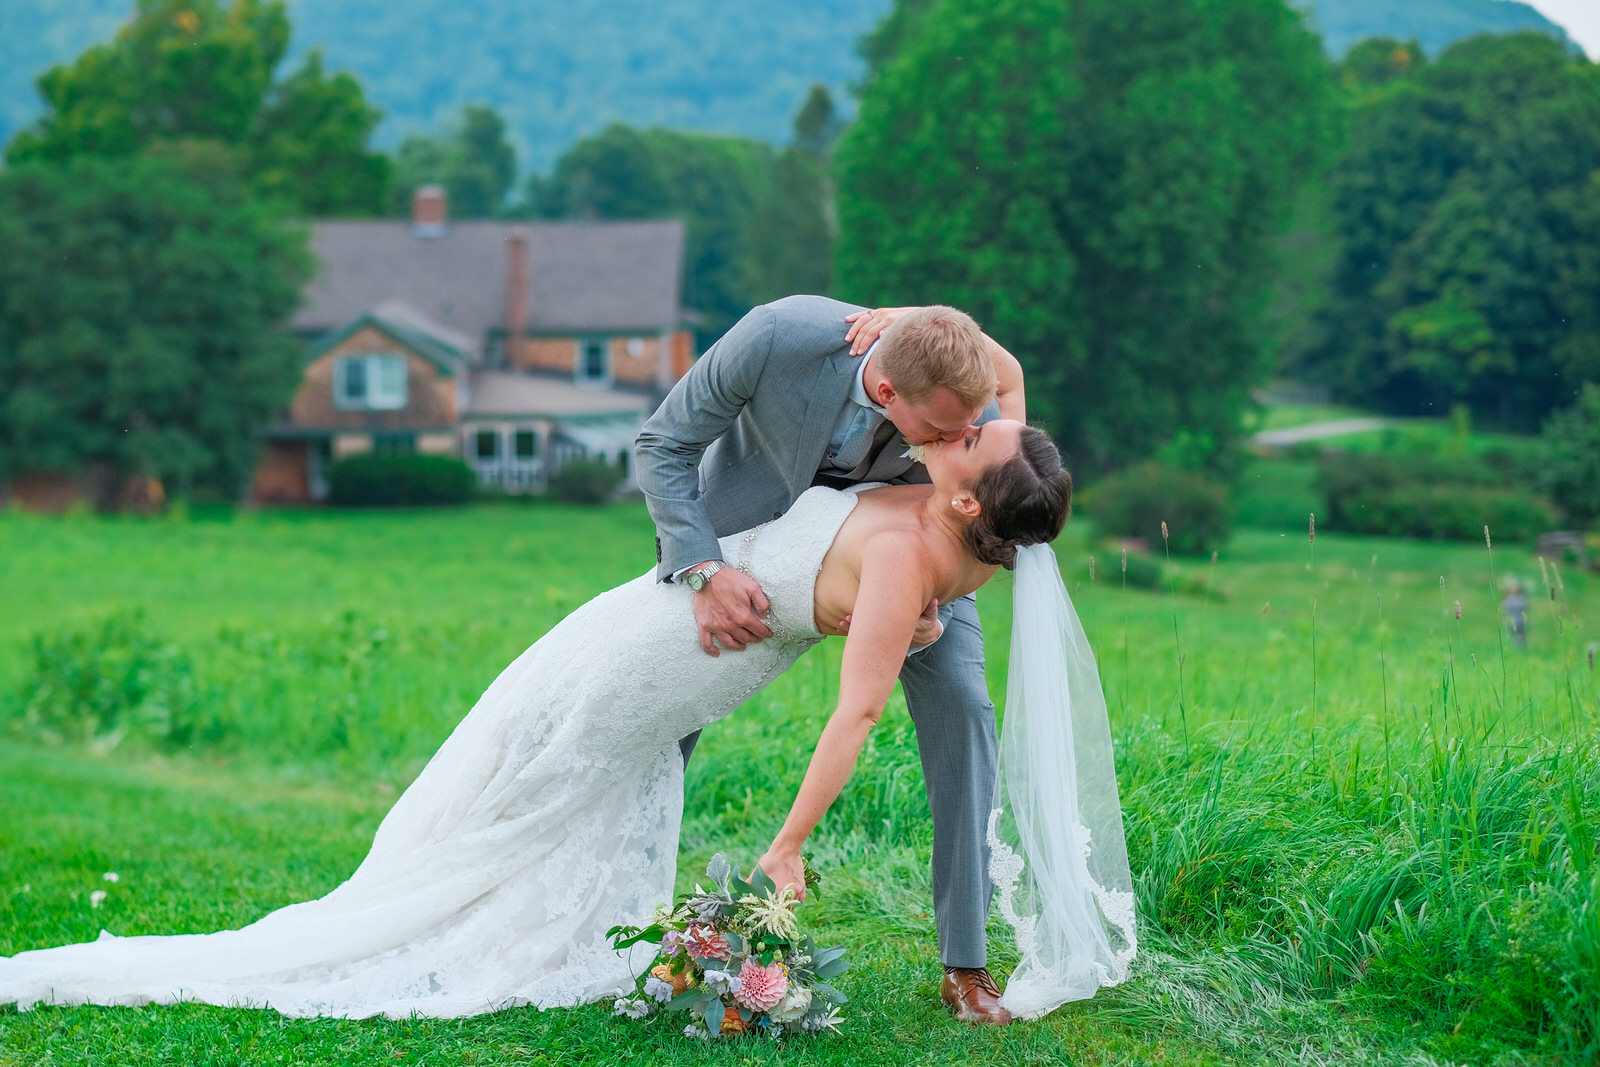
x=728 y=611
x=929 y=628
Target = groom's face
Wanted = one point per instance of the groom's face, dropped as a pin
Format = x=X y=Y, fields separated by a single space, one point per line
x=940 y=416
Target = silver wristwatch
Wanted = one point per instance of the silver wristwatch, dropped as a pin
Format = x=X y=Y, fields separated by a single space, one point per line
x=697 y=578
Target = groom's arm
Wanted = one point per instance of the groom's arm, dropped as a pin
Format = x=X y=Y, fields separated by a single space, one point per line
x=699 y=409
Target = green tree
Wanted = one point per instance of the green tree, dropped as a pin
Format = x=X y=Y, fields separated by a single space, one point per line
x=1570 y=467
x=1465 y=211
x=758 y=220
x=151 y=346
x=1097 y=182
x=473 y=160
x=308 y=146
x=188 y=70
x=613 y=175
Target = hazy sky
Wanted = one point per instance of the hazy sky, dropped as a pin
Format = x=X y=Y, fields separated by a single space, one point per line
x=1580 y=18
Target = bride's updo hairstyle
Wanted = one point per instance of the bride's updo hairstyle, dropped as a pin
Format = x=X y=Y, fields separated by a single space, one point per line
x=1024 y=501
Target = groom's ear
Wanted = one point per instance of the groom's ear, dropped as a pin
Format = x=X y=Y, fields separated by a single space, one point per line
x=885 y=393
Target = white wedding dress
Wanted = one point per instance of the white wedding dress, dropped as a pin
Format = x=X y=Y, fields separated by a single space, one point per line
x=549 y=816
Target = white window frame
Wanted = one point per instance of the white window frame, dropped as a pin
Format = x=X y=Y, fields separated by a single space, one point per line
x=580 y=370
x=383 y=378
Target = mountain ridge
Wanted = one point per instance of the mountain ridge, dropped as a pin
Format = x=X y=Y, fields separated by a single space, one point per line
x=743 y=70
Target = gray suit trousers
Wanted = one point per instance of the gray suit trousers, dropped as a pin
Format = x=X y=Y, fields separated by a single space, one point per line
x=955 y=722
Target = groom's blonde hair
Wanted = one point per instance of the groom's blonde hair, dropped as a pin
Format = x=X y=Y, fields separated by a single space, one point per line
x=937 y=346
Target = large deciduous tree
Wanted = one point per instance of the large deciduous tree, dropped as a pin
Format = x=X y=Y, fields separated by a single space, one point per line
x=194 y=70
x=140 y=312
x=1468 y=213
x=473 y=159
x=1097 y=182
x=758 y=218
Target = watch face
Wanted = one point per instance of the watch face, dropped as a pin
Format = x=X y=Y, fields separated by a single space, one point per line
x=695 y=580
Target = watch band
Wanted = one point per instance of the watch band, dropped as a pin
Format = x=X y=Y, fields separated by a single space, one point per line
x=697 y=577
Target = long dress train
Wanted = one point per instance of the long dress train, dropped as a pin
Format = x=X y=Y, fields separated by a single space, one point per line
x=549 y=815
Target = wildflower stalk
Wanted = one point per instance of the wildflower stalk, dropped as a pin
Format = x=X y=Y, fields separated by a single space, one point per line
x=1500 y=628
x=1311 y=533
x=1450 y=662
x=1172 y=591
x=1383 y=676
x=1125 y=632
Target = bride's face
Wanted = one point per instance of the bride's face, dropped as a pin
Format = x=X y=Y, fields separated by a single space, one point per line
x=960 y=462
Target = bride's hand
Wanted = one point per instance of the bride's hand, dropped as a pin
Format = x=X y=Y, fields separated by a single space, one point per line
x=867 y=326
x=785 y=869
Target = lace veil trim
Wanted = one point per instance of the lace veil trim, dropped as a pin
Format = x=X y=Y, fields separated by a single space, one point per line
x=1057 y=853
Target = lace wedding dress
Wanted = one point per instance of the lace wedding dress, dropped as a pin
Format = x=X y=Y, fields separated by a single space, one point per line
x=550 y=815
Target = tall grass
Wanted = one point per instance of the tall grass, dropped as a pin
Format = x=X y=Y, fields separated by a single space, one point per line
x=1399 y=869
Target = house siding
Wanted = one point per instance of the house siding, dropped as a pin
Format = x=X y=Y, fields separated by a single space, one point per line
x=430 y=396
x=547 y=353
x=661 y=360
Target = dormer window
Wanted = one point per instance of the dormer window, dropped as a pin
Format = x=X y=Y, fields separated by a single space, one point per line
x=370 y=382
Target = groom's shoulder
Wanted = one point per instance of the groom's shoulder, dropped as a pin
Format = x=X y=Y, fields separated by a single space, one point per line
x=815 y=323
x=803 y=306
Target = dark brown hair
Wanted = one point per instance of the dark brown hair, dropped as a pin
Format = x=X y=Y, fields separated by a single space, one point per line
x=1024 y=501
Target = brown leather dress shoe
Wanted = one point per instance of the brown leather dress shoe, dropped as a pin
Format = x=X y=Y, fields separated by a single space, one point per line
x=970 y=992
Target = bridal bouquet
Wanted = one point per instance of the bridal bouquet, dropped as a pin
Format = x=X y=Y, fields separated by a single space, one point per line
x=734 y=957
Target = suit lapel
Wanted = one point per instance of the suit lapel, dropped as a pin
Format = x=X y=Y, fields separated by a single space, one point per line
x=829 y=389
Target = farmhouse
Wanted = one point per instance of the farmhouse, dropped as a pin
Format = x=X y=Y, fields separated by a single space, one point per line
x=514 y=346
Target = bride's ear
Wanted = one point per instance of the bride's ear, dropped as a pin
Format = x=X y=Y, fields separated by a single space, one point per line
x=966 y=504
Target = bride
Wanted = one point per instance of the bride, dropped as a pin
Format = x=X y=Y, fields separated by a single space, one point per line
x=551 y=813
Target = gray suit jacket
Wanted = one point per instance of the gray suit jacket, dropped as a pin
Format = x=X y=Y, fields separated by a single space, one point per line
x=742 y=435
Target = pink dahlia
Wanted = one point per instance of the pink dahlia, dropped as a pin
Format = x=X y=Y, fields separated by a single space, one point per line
x=706 y=943
x=761 y=987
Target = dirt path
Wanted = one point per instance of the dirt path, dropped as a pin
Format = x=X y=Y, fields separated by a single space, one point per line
x=1316 y=431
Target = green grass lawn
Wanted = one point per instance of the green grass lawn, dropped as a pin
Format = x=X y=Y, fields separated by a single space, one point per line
x=1362 y=827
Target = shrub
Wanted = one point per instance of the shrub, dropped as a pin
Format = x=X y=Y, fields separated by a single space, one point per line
x=586 y=481
x=1135 y=502
x=1570 y=466
x=110 y=680
x=1427 y=497
x=369 y=480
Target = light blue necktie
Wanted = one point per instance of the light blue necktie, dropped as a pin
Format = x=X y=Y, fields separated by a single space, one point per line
x=857 y=440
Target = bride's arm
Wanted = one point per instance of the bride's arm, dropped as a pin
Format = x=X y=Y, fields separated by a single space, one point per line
x=894 y=587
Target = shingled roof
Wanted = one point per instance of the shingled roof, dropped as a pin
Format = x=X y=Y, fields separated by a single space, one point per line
x=601 y=276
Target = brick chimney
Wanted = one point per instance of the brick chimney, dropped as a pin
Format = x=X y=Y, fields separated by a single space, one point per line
x=430 y=212
x=518 y=296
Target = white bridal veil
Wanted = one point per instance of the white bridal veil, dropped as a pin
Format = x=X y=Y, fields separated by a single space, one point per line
x=1058 y=856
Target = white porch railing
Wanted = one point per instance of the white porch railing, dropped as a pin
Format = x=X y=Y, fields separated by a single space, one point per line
x=519 y=476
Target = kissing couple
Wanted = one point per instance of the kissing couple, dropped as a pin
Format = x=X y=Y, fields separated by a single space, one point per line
x=822 y=471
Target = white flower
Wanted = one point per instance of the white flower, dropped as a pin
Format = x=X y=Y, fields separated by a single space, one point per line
x=112 y=877
x=816 y=1023
x=696 y=1031
x=97 y=898
x=914 y=454
x=773 y=913
x=655 y=987
x=795 y=1003
x=633 y=1009
x=721 y=982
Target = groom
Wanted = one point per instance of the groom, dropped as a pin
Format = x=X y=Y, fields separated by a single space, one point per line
x=778 y=405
